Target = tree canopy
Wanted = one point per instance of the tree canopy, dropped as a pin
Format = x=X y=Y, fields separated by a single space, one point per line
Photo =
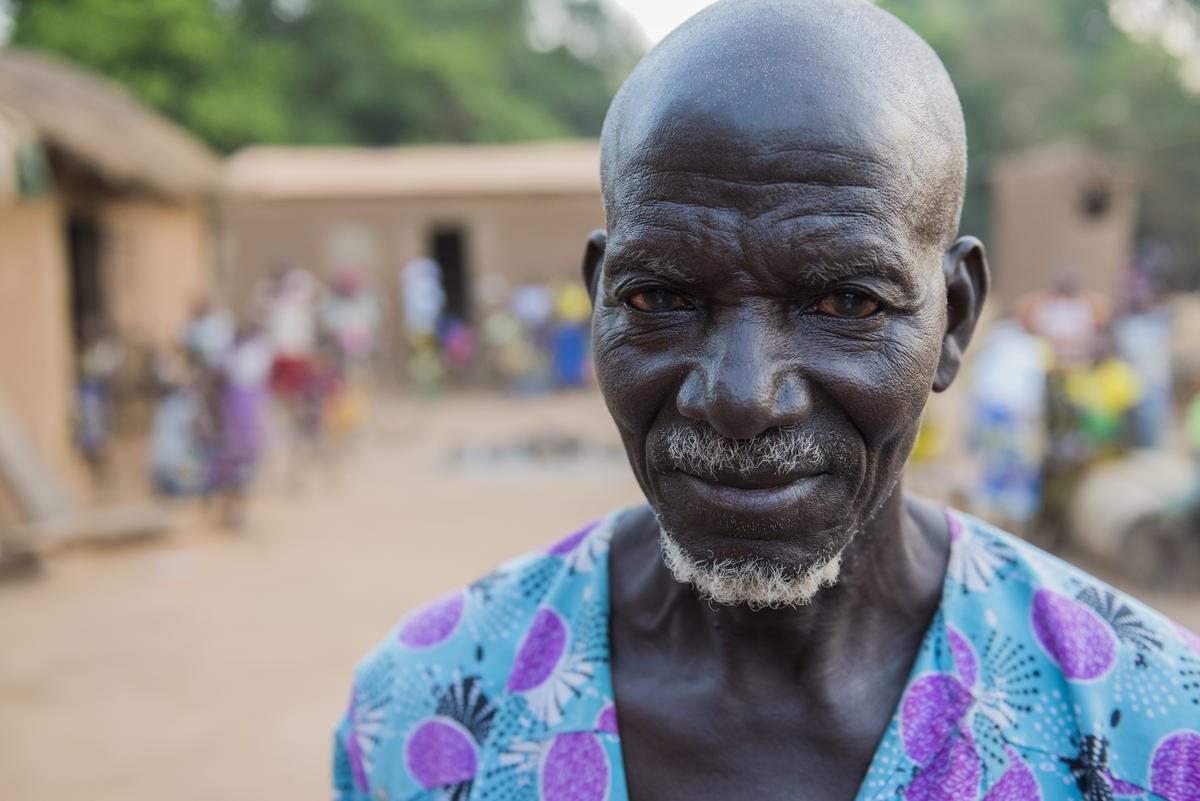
x=382 y=72
x=370 y=72
x=1030 y=72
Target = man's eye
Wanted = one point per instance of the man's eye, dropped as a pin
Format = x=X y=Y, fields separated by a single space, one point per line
x=657 y=300
x=847 y=304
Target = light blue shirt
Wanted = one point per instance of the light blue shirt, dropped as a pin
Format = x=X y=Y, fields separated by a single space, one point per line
x=1033 y=681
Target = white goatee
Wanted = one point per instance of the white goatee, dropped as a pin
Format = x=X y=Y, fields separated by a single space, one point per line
x=757 y=583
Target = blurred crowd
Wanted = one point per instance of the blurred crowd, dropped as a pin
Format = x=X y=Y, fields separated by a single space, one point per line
x=1063 y=384
x=531 y=337
x=295 y=369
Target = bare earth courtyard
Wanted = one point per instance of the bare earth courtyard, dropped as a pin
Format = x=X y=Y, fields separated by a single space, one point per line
x=214 y=665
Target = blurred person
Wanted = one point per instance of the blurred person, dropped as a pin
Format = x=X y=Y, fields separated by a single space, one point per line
x=290 y=306
x=780 y=287
x=1103 y=398
x=532 y=305
x=101 y=355
x=178 y=463
x=209 y=333
x=350 y=316
x=291 y=326
x=509 y=352
x=1143 y=337
x=423 y=299
x=245 y=374
x=457 y=339
x=1067 y=317
x=350 y=313
x=569 y=337
x=1069 y=320
x=1008 y=389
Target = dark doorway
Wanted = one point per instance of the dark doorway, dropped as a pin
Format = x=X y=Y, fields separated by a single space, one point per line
x=449 y=248
x=87 y=282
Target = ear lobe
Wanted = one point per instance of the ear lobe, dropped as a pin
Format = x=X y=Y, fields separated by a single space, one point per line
x=593 y=259
x=967 y=277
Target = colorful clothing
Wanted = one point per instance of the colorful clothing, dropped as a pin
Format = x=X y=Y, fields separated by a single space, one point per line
x=1034 y=681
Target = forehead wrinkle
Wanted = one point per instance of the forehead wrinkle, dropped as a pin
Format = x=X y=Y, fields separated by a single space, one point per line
x=757 y=164
x=655 y=180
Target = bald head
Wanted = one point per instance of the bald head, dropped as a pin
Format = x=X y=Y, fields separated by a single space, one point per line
x=748 y=79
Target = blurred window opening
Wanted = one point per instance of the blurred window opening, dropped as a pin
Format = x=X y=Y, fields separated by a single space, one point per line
x=87 y=284
x=448 y=246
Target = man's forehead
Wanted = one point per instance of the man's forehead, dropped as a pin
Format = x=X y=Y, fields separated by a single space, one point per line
x=802 y=200
x=777 y=100
x=715 y=164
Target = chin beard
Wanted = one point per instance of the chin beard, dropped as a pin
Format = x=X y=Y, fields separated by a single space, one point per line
x=754 y=582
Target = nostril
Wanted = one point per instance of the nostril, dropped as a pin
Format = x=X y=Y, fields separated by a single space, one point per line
x=691 y=398
x=793 y=400
x=743 y=402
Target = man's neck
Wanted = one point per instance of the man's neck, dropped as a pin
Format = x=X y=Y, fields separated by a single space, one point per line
x=889 y=588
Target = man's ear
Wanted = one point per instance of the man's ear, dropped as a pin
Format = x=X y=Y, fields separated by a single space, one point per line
x=593 y=258
x=967 y=278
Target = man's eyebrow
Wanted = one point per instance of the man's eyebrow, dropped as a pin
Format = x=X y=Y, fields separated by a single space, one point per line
x=832 y=272
x=642 y=262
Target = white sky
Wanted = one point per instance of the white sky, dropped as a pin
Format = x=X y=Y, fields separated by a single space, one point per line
x=657 y=18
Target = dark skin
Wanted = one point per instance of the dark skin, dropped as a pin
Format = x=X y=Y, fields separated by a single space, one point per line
x=777 y=263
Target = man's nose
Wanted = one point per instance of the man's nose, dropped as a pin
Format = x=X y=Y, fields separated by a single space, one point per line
x=744 y=383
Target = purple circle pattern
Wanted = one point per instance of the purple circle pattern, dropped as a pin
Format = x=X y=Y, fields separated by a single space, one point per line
x=540 y=653
x=1124 y=789
x=1175 y=767
x=1075 y=637
x=433 y=623
x=568 y=544
x=575 y=769
x=606 y=721
x=1017 y=783
x=929 y=712
x=953 y=775
x=965 y=661
x=440 y=753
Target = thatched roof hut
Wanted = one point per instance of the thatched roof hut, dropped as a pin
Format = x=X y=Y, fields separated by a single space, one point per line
x=95 y=125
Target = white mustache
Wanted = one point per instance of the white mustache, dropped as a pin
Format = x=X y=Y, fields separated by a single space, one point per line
x=700 y=450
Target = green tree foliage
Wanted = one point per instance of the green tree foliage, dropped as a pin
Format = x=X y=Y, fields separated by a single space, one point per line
x=1030 y=72
x=370 y=72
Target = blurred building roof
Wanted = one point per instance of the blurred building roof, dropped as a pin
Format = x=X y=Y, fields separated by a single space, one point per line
x=544 y=168
x=96 y=122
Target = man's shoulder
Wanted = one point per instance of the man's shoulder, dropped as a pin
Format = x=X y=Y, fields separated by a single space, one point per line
x=986 y=558
x=518 y=656
x=1060 y=663
x=477 y=627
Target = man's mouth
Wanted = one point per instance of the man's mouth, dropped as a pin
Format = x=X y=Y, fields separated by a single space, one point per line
x=753 y=495
x=762 y=479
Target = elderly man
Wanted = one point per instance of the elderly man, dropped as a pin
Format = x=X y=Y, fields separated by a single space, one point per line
x=780 y=288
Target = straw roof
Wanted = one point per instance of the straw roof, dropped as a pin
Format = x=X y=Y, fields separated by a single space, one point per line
x=98 y=123
x=543 y=168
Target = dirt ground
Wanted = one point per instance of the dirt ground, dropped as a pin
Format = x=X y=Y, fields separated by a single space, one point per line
x=213 y=665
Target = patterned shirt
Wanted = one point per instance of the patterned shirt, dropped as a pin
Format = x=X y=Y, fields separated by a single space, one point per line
x=1034 y=681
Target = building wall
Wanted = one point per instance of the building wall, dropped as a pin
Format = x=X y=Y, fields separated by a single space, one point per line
x=522 y=239
x=36 y=354
x=157 y=263
x=1040 y=224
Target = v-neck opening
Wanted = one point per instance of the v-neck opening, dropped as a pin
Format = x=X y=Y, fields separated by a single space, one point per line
x=914 y=671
